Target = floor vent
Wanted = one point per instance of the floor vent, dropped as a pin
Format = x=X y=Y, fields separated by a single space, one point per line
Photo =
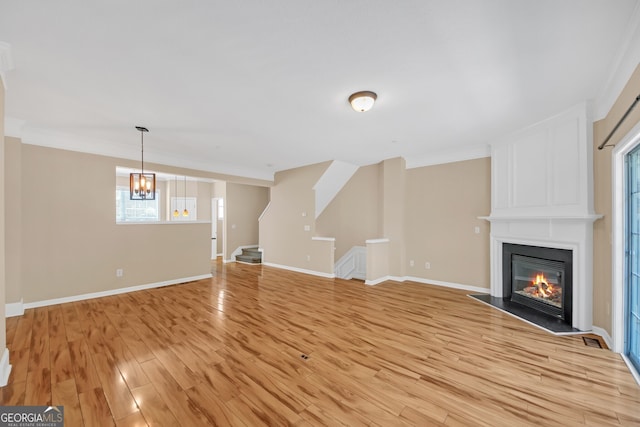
x=592 y=342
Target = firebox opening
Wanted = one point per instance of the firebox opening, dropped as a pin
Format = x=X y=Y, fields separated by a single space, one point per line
x=539 y=279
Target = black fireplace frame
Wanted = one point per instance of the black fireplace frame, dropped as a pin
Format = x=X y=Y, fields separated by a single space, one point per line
x=544 y=253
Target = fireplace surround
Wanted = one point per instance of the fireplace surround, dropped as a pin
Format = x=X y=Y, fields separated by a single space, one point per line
x=539 y=278
x=542 y=196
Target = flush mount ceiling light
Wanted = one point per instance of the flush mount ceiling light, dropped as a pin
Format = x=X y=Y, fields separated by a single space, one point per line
x=142 y=186
x=362 y=101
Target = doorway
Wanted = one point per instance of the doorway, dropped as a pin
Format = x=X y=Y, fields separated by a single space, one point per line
x=626 y=250
x=632 y=250
x=217 y=231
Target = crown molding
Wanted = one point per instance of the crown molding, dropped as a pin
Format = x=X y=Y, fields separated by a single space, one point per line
x=66 y=141
x=6 y=62
x=458 y=154
x=624 y=64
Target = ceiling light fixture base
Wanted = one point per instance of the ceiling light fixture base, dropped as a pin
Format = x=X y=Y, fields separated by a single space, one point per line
x=362 y=101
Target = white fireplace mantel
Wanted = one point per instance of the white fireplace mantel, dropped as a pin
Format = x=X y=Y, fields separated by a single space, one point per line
x=542 y=195
x=572 y=233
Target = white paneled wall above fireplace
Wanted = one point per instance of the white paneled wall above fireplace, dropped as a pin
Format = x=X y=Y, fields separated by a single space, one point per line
x=546 y=169
x=542 y=195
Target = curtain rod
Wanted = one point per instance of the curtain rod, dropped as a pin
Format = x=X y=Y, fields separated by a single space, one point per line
x=615 y=128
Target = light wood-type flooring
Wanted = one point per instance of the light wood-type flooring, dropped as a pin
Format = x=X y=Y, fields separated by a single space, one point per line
x=263 y=346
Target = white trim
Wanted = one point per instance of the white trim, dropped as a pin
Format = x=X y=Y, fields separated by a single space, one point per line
x=32 y=135
x=162 y=222
x=379 y=280
x=622 y=148
x=632 y=368
x=452 y=285
x=450 y=156
x=263 y=212
x=5 y=368
x=14 y=309
x=381 y=240
x=497 y=218
x=332 y=181
x=301 y=270
x=602 y=333
x=324 y=239
x=111 y=292
x=423 y=281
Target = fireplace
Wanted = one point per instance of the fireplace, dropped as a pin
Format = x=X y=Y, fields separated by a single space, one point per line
x=542 y=196
x=539 y=279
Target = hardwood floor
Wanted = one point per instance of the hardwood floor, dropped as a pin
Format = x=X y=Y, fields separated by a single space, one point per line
x=263 y=346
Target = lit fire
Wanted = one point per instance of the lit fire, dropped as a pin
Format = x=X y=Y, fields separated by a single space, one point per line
x=545 y=290
x=541 y=289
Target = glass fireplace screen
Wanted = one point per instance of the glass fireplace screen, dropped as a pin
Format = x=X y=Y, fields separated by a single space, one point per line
x=538 y=283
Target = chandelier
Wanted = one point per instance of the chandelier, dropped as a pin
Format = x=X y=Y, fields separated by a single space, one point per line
x=142 y=186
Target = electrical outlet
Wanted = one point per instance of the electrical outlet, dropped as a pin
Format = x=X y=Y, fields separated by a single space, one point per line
x=427 y=265
x=477 y=230
x=307 y=228
x=119 y=272
x=411 y=263
x=308 y=257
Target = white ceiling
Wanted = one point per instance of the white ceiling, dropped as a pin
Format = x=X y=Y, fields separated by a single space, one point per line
x=253 y=87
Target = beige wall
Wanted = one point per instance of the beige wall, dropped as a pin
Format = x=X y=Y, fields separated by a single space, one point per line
x=3 y=329
x=442 y=210
x=352 y=216
x=602 y=251
x=13 y=218
x=70 y=243
x=244 y=204
x=428 y=214
x=393 y=199
x=282 y=234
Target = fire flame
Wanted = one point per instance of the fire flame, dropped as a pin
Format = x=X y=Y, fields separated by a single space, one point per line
x=544 y=288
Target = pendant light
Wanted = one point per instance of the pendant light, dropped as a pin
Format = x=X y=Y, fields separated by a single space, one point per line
x=142 y=186
x=176 y=213
x=185 y=212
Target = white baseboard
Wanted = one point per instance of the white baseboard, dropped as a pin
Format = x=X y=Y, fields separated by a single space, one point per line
x=5 y=368
x=14 y=309
x=301 y=270
x=420 y=280
x=377 y=281
x=110 y=292
x=604 y=334
x=469 y=288
x=632 y=369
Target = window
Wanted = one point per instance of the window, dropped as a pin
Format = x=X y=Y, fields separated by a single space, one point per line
x=135 y=210
x=179 y=203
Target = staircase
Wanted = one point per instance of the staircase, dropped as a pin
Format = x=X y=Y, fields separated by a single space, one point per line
x=250 y=256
